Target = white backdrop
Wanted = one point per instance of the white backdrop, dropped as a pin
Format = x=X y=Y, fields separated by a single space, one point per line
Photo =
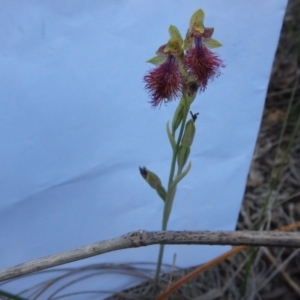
x=75 y=125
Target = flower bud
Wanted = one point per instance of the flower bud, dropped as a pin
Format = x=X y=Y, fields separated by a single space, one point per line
x=189 y=133
x=162 y=192
x=182 y=156
x=154 y=181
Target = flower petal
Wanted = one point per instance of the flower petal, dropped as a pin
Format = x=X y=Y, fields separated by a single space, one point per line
x=160 y=50
x=208 y=32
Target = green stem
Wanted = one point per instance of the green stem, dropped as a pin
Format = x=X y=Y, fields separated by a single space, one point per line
x=159 y=263
x=171 y=178
x=172 y=171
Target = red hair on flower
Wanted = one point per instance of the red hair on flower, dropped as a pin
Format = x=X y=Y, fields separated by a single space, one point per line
x=202 y=63
x=199 y=60
x=164 y=82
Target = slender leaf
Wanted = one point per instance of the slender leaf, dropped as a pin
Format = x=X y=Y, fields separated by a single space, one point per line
x=171 y=138
x=181 y=175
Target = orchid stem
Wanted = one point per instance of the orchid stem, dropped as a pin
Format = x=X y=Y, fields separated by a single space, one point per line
x=171 y=177
x=172 y=171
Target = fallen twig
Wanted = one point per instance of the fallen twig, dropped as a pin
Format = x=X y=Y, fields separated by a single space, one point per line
x=145 y=238
x=218 y=260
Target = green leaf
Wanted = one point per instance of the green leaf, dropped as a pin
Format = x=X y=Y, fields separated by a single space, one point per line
x=162 y=193
x=178 y=116
x=211 y=43
x=181 y=175
x=157 y=60
x=182 y=157
x=175 y=34
x=171 y=138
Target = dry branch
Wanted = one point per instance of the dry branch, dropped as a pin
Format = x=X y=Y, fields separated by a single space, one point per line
x=145 y=238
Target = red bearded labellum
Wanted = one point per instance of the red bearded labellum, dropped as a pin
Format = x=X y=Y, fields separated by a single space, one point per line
x=164 y=83
x=202 y=63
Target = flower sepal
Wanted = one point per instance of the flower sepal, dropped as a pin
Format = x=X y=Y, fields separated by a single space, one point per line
x=196 y=22
x=174 y=45
x=211 y=43
x=175 y=34
x=157 y=60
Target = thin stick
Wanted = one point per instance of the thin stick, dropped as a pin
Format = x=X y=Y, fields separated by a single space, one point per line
x=145 y=238
x=215 y=262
